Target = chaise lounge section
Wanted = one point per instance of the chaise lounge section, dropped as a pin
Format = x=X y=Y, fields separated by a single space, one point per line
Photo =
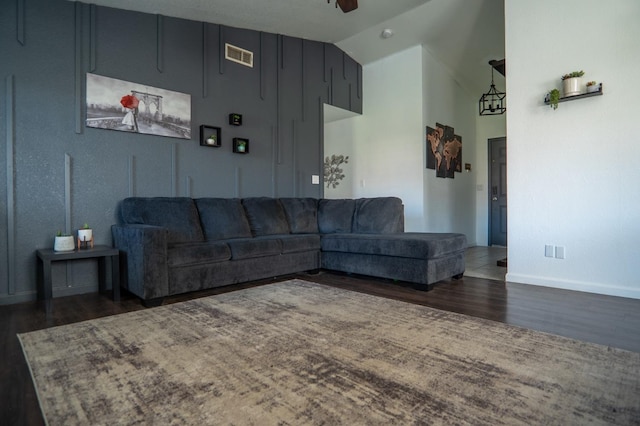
x=366 y=236
x=174 y=245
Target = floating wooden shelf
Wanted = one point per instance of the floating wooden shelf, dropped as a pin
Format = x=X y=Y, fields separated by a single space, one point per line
x=574 y=97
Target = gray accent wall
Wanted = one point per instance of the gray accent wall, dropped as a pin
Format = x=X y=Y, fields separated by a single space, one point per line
x=58 y=174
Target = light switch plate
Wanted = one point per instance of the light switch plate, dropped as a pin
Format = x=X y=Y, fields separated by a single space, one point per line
x=315 y=179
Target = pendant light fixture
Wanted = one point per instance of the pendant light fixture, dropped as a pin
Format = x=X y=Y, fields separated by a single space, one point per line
x=493 y=102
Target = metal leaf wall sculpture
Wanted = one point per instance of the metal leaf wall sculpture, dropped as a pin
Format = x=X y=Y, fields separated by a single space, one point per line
x=333 y=173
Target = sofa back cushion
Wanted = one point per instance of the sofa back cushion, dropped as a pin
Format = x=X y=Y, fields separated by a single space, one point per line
x=223 y=218
x=177 y=214
x=302 y=214
x=335 y=216
x=266 y=216
x=381 y=215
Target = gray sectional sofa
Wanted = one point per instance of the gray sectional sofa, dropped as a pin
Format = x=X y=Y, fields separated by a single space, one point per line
x=173 y=245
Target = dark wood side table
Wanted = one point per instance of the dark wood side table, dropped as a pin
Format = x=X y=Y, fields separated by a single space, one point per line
x=46 y=257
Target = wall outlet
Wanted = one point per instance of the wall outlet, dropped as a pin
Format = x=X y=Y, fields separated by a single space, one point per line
x=549 y=251
x=315 y=179
x=559 y=252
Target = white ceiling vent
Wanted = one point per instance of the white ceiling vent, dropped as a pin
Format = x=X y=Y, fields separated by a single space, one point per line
x=239 y=55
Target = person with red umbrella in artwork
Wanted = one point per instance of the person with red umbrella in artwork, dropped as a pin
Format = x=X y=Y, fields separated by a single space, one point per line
x=131 y=117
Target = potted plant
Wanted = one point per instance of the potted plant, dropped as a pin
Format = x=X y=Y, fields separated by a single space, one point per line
x=63 y=242
x=553 y=97
x=571 y=83
x=85 y=236
x=592 y=86
x=211 y=140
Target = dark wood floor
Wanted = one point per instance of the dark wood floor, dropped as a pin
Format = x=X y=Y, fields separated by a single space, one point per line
x=605 y=320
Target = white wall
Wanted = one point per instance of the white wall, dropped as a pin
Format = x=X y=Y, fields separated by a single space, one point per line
x=404 y=93
x=571 y=172
x=449 y=204
x=387 y=142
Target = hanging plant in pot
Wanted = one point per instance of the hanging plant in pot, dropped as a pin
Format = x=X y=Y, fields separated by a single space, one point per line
x=63 y=242
x=553 y=97
x=572 y=82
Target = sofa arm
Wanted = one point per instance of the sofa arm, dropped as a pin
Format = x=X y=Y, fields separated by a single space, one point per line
x=144 y=249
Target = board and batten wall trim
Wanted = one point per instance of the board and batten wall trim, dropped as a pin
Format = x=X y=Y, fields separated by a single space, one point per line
x=10 y=150
x=92 y=37
x=20 y=32
x=160 y=43
x=274 y=156
x=294 y=156
x=78 y=67
x=174 y=170
x=188 y=184
x=221 y=49
x=67 y=193
x=67 y=209
x=263 y=67
x=205 y=59
x=237 y=182
x=84 y=172
x=131 y=176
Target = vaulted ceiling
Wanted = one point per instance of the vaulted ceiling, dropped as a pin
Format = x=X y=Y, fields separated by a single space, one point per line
x=462 y=34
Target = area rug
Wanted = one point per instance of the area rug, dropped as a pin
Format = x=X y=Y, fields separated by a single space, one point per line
x=296 y=353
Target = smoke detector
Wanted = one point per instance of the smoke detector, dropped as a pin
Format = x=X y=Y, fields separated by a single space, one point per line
x=386 y=33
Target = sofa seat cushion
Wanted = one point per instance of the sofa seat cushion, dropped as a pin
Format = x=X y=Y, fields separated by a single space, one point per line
x=266 y=216
x=223 y=218
x=409 y=244
x=247 y=248
x=190 y=254
x=302 y=214
x=299 y=242
x=178 y=215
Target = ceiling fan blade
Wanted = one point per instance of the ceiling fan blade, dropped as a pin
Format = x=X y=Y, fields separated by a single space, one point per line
x=347 y=5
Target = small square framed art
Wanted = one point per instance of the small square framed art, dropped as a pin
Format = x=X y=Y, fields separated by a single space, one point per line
x=241 y=145
x=210 y=136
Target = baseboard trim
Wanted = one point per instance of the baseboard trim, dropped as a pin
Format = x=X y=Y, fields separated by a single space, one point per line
x=73 y=291
x=32 y=296
x=27 y=296
x=584 y=286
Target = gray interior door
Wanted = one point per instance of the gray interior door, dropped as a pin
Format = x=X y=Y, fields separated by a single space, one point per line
x=498 y=192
